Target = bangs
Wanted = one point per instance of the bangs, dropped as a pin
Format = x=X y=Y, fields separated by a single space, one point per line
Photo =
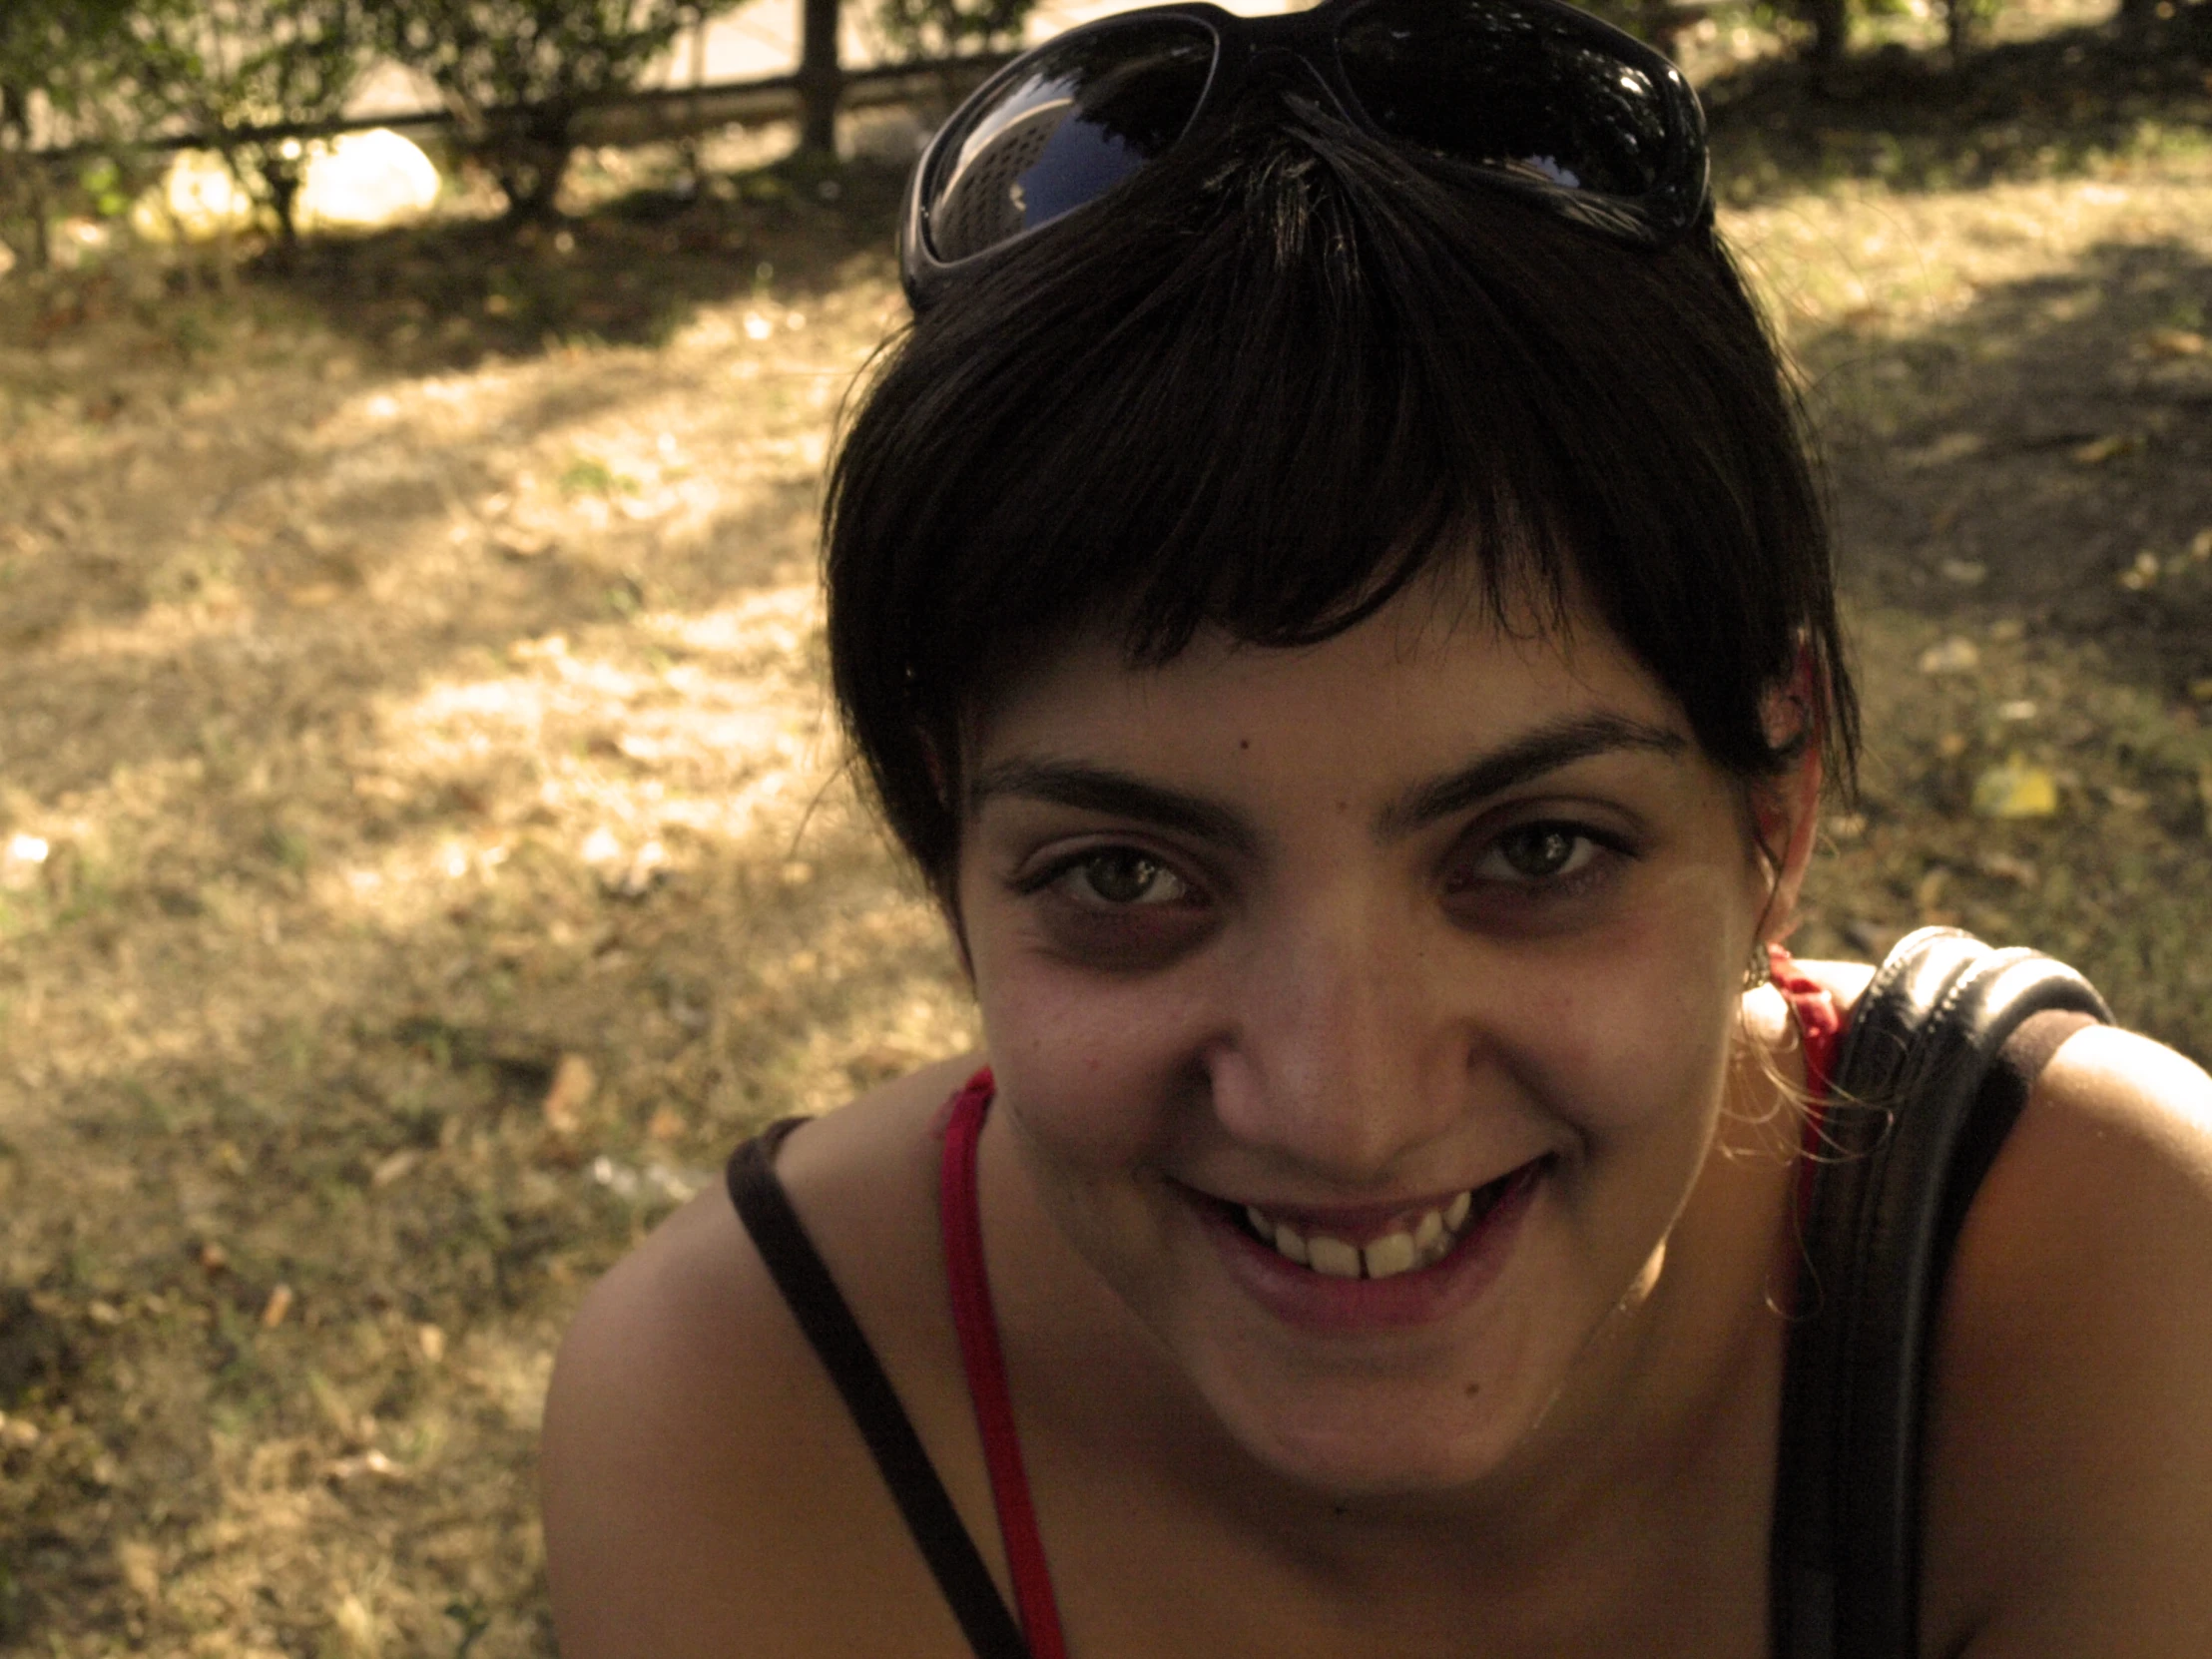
x=1273 y=444
x=1288 y=374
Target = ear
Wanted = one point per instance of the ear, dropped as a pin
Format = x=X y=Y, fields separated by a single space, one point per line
x=1787 y=813
x=1786 y=809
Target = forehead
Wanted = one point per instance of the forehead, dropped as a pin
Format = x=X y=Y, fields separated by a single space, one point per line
x=1416 y=686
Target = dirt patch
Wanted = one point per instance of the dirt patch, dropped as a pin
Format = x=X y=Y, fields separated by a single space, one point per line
x=384 y=739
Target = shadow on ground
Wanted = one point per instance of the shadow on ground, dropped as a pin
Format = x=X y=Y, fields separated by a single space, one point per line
x=2045 y=456
x=629 y=273
x=2062 y=103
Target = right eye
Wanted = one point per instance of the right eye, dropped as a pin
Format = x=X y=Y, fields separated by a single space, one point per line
x=1120 y=877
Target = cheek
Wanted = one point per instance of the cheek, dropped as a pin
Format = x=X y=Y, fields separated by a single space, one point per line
x=1641 y=1019
x=1096 y=1070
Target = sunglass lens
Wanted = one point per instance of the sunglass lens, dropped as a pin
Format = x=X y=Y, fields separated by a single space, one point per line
x=1526 y=92
x=1089 y=111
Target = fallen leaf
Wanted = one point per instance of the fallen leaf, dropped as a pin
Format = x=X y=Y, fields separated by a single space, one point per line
x=645 y=872
x=394 y=1167
x=368 y=1462
x=2015 y=790
x=2005 y=867
x=2173 y=343
x=573 y=1083
x=516 y=543
x=2099 y=450
x=432 y=1341
x=667 y=1124
x=278 y=1305
x=1955 y=654
x=142 y=1568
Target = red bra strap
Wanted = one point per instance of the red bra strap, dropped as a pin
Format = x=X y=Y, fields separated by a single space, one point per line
x=961 y=1216
x=1820 y=1023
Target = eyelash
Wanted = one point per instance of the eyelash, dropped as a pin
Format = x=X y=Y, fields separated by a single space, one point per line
x=1599 y=854
x=1057 y=872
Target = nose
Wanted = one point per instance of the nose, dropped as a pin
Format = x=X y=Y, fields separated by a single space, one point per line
x=1350 y=1042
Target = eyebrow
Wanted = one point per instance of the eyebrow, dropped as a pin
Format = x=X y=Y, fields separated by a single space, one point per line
x=1546 y=748
x=1104 y=790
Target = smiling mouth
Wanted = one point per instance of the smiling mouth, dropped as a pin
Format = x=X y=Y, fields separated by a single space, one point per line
x=1419 y=1238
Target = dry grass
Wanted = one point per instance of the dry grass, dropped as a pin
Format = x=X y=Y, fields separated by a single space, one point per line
x=446 y=857
x=393 y=738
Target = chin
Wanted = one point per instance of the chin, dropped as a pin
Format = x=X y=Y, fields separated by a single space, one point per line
x=1395 y=1443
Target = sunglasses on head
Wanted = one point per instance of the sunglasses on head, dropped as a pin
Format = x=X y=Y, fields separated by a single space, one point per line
x=1531 y=96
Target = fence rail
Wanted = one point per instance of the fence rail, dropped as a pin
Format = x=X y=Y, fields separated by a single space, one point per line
x=638 y=117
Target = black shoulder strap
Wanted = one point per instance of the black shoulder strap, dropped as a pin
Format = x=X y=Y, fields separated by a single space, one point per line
x=1916 y=1112
x=815 y=1300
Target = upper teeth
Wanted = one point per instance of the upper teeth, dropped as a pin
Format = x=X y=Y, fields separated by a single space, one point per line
x=1427 y=1240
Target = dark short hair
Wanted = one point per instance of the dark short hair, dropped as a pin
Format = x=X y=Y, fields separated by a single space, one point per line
x=1272 y=381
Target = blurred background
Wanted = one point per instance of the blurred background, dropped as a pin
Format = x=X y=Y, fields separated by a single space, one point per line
x=424 y=842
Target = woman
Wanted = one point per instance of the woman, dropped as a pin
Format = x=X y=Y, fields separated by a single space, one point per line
x=1330 y=597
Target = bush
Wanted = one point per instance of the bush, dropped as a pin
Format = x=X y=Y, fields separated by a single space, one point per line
x=225 y=69
x=943 y=28
x=62 y=81
x=515 y=73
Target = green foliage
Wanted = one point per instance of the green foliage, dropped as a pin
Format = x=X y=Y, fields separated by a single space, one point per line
x=227 y=68
x=62 y=81
x=514 y=73
x=942 y=28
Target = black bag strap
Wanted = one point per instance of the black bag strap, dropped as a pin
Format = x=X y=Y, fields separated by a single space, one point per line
x=846 y=1352
x=1916 y=1112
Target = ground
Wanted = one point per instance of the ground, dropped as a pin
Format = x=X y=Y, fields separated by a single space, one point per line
x=424 y=847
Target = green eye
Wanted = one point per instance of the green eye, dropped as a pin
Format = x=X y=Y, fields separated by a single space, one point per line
x=1541 y=850
x=1543 y=860
x=1119 y=875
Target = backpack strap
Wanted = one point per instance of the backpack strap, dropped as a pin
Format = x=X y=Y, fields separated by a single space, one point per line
x=1916 y=1112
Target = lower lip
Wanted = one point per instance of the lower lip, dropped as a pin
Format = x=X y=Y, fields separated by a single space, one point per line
x=1317 y=1302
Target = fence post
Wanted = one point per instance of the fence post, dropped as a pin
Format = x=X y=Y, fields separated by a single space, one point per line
x=820 y=77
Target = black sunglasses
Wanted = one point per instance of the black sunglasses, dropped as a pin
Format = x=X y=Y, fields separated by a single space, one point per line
x=1531 y=96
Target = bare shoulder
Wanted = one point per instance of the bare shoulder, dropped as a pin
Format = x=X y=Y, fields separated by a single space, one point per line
x=2070 y=1437
x=703 y=1490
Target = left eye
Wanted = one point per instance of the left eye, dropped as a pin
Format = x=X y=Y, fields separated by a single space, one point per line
x=1533 y=854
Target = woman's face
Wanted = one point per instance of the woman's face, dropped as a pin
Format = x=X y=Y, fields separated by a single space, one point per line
x=1360 y=1013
